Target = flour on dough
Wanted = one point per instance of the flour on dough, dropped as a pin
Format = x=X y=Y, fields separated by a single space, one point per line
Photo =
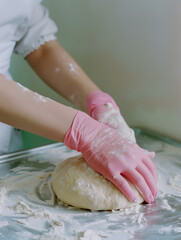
x=76 y=184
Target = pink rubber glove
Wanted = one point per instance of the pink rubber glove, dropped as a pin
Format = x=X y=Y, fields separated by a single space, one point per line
x=103 y=108
x=113 y=157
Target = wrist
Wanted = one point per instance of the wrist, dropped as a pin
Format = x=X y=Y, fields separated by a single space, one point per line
x=99 y=98
x=81 y=132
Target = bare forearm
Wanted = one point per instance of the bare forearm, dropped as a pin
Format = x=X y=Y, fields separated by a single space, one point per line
x=57 y=68
x=30 y=111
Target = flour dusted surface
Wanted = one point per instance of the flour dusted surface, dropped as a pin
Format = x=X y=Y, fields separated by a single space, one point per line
x=29 y=212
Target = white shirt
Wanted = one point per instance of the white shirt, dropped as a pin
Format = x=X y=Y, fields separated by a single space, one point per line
x=24 y=26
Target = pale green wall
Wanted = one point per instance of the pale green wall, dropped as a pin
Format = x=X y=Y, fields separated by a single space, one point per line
x=131 y=49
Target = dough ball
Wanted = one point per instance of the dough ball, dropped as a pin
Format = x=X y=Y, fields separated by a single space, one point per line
x=76 y=184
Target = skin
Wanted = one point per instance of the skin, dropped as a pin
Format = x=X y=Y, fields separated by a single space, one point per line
x=27 y=110
x=60 y=71
x=24 y=110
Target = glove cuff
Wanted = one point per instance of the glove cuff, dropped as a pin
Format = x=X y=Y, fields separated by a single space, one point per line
x=81 y=132
x=98 y=98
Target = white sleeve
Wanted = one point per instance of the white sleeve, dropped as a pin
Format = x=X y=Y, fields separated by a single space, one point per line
x=40 y=29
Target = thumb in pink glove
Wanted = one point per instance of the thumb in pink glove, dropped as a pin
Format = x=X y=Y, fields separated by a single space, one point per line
x=114 y=157
x=103 y=108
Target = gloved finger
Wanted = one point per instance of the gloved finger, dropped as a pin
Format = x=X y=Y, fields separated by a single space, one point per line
x=144 y=171
x=137 y=179
x=150 y=154
x=150 y=165
x=121 y=183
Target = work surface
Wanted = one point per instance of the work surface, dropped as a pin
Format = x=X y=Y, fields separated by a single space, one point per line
x=29 y=209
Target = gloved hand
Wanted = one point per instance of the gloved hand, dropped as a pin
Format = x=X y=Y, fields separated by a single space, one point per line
x=103 y=108
x=114 y=157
